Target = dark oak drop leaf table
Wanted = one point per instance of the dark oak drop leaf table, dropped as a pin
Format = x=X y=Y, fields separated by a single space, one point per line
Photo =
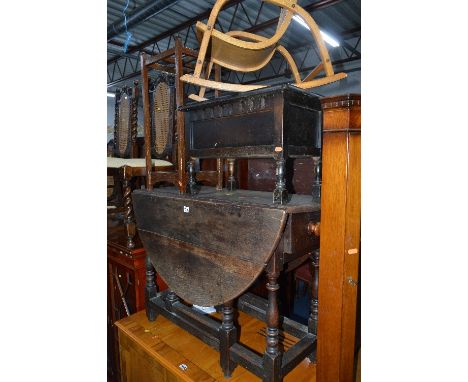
x=210 y=248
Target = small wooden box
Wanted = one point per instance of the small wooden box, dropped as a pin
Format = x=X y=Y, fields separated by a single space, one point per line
x=279 y=120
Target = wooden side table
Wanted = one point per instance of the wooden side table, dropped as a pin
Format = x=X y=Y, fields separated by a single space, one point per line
x=161 y=351
x=126 y=278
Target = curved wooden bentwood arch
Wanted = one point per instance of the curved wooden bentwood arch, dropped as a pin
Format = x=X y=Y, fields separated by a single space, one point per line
x=253 y=52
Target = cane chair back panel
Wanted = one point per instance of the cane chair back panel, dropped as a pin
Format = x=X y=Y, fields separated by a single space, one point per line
x=125 y=122
x=162 y=96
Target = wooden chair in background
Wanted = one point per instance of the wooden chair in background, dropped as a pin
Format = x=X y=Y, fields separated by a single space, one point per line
x=164 y=124
x=247 y=52
x=124 y=141
x=124 y=165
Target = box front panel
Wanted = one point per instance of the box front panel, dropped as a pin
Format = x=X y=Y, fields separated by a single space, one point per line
x=250 y=130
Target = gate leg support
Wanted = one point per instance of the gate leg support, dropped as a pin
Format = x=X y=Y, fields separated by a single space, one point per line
x=313 y=318
x=227 y=337
x=272 y=356
x=171 y=298
x=150 y=290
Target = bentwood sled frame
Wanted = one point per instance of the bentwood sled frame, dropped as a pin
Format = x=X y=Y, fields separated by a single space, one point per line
x=232 y=51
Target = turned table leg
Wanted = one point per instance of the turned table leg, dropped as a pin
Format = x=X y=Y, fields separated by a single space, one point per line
x=280 y=194
x=317 y=184
x=192 y=187
x=272 y=356
x=227 y=337
x=171 y=298
x=313 y=318
x=150 y=290
x=231 y=180
x=219 y=173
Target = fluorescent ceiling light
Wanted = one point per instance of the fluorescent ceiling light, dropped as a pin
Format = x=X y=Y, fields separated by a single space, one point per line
x=111 y=94
x=330 y=40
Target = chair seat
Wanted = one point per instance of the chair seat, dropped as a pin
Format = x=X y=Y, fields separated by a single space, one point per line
x=135 y=162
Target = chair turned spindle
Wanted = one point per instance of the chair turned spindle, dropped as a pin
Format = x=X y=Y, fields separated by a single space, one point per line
x=129 y=217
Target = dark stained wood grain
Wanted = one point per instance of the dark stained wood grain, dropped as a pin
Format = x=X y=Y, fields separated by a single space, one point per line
x=212 y=244
x=275 y=122
x=199 y=252
x=261 y=175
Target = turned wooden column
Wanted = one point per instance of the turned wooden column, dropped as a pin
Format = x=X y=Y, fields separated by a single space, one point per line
x=171 y=298
x=272 y=356
x=134 y=119
x=317 y=184
x=192 y=187
x=314 y=267
x=231 y=180
x=339 y=238
x=227 y=337
x=129 y=217
x=219 y=173
x=280 y=193
x=150 y=290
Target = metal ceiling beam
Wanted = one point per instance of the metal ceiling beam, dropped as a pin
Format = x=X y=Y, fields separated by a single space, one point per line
x=308 y=69
x=117 y=51
x=138 y=15
x=136 y=48
x=140 y=47
x=342 y=36
x=170 y=32
x=122 y=54
x=309 y=8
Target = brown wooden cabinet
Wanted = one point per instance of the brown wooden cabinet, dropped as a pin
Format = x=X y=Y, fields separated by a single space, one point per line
x=126 y=278
x=339 y=238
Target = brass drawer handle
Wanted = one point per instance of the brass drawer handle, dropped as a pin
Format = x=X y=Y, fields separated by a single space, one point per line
x=314 y=228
